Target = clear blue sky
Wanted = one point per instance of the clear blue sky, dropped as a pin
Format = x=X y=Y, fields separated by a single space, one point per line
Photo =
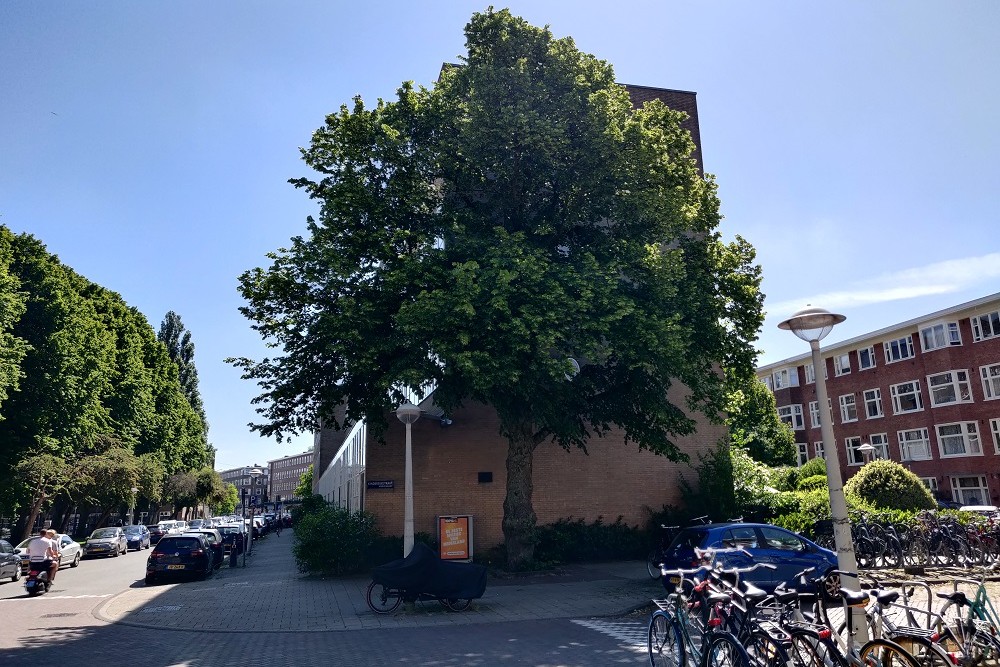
x=148 y=144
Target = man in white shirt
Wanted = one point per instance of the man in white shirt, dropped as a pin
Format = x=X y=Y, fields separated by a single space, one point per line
x=41 y=553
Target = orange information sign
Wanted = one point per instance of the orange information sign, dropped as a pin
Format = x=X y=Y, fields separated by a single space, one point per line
x=455 y=537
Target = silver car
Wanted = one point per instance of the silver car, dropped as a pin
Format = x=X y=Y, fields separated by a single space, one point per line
x=106 y=542
x=69 y=552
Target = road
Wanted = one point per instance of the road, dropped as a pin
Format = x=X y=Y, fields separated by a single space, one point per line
x=62 y=627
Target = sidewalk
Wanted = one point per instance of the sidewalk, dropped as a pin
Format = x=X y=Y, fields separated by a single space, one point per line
x=271 y=595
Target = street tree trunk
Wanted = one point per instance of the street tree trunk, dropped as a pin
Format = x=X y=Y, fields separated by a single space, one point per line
x=518 y=513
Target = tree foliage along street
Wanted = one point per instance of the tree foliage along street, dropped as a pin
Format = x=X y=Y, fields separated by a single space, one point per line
x=90 y=402
x=754 y=423
x=478 y=234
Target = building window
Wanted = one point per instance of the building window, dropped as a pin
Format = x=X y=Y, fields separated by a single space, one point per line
x=941 y=335
x=803 y=453
x=810 y=371
x=959 y=439
x=818 y=446
x=986 y=326
x=880 y=441
x=930 y=483
x=792 y=415
x=970 y=490
x=848 y=408
x=949 y=387
x=786 y=377
x=814 y=414
x=854 y=456
x=768 y=382
x=873 y=403
x=899 y=349
x=866 y=358
x=995 y=429
x=842 y=364
x=914 y=445
x=991 y=381
x=906 y=397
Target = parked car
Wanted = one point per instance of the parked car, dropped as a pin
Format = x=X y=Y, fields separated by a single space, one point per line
x=233 y=536
x=70 y=552
x=214 y=541
x=137 y=537
x=10 y=562
x=106 y=542
x=176 y=555
x=789 y=552
x=158 y=530
x=985 y=510
x=196 y=524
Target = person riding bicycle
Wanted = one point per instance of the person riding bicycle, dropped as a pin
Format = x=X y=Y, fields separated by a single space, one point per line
x=43 y=554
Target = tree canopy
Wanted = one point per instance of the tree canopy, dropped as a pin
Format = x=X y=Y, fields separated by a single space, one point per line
x=478 y=234
x=754 y=423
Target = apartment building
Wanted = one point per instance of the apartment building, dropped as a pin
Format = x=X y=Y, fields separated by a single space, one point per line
x=284 y=474
x=925 y=392
x=246 y=484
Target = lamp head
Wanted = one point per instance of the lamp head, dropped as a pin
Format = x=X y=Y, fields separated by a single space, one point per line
x=812 y=324
x=408 y=413
x=256 y=472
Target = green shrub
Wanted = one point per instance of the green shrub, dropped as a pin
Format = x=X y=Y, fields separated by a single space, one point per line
x=812 y=483
x=816 y=466
x=567 y=541
x=797 y=522
x=714 y=493
x=332 y=540
x=887 y=484
x=785 y=478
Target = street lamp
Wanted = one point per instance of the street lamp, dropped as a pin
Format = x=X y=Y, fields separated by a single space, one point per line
x=254 y=474
x=812 y=325
x=408 y=413
x=131 y=509
x=866 y=451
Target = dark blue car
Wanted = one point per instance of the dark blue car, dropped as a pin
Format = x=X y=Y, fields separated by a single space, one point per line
x=789 y=552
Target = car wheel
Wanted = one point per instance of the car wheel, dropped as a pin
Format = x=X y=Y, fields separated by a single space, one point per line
x=76 y=560
x=150 y=580
x=17 y=574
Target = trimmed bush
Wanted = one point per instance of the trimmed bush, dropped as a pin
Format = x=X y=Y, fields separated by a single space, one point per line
x=812 y=483
x=816 y=466
x=888 y=485
x=568 y=541
x=332 y=540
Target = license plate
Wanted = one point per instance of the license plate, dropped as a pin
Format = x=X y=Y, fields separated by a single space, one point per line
x=175 y=567
x=675 y=580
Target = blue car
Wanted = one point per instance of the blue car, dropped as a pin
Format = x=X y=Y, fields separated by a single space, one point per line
x=789 y=552
x=138 y=537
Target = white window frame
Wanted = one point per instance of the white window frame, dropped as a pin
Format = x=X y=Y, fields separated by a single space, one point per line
x=786 y=377
x=810 y=373
x=792 y=416
x=990 y=375
x=898 y=349
x=995 y=430
x=968 y=434
x=866 y=354
x=842 y=364
x=952 y=384
x=820 y=451
x=913 y=390
x=880 y=441
x=873 y=403
x=939 y=336
x=814 y=414
x=854 y=456
x=768 y=382
x=985 y=326
x=977 y=492
x=910 y=439
x=848 y=408
x=930 y=483
x=803 y=453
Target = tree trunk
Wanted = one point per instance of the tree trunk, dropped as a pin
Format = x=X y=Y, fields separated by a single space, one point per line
x=518 y=514
x=32 y=515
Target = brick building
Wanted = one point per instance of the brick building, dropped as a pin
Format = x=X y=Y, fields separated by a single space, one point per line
x=923 y=392
x=459 y=463
x=244 y=481
x=284 y=474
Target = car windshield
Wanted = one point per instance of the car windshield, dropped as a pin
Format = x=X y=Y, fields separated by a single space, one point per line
x=104 y=532
x=178 y=543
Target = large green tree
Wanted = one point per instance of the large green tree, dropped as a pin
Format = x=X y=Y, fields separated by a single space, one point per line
x=180 y=347
x=13 y=303
x=479 y=234
x=754 y=423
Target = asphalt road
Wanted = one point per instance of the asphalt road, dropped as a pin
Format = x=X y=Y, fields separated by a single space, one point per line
x=61 y=628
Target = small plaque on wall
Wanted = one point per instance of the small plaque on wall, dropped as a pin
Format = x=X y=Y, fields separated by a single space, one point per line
x=380 y=484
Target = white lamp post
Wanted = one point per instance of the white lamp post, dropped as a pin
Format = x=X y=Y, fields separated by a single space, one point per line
x=866 y=451
x=254 y=474
x=131 y=510
x=408 y=413
x=812 y=325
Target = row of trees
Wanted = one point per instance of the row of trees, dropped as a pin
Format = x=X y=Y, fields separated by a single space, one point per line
x=93 y=402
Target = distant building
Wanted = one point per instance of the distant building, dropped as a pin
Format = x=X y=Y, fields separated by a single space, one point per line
x=244 y=481
x=285 y=473
x=925 y=392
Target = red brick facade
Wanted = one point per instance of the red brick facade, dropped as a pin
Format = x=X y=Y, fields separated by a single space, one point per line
x=972 y=406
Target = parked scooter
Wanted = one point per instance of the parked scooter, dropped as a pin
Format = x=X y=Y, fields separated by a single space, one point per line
x=37 y=581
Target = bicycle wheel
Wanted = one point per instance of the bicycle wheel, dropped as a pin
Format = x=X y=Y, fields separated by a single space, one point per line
x=924 y=651
x=885 y=653
x=724 y=651
x=810 y=650
x=383 y=600
x=653 y=564
x=664 y=641
x=893 y=556
x=765 y=651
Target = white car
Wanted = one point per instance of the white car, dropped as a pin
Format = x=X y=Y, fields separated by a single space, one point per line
x=987 y=510
x=70 y=552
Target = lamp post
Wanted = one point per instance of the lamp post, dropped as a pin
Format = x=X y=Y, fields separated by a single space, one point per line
x=131 y=509
x=408 y=413
x=866 y=451
x=812 y=325
x=254 y=473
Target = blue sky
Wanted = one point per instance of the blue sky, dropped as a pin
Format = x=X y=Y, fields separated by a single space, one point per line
x=149 y=144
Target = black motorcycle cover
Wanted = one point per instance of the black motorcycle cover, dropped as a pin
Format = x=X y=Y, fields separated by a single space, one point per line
x=423 y=572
